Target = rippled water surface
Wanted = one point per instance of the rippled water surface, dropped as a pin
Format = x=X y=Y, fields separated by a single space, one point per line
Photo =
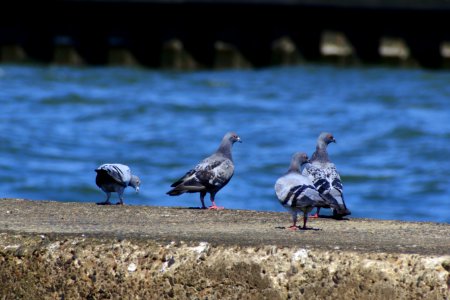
x=392 y=127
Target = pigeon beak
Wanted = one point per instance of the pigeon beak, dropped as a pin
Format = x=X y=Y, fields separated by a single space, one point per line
x=334 y=141
x=137 y=190
x=239 y=140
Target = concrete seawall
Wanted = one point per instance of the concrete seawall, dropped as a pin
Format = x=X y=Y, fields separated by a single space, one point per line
x=56 y=250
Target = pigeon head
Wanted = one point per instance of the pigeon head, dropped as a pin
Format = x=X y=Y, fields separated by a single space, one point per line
x=135 y=182
x=298 y=160
x=300 y=157
x=326 y=138
x=227 y=142
x=232 y=137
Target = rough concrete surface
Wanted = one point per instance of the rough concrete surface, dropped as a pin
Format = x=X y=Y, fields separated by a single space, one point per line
x=57 y=250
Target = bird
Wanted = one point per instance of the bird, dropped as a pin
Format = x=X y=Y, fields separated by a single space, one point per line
x=115 y=178
x=325 y=177
x=211 y=174
x=296 y=192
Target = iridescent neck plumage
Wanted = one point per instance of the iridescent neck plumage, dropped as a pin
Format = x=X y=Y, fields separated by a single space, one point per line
x=294 y=166
x=225 y=148
x=321 y=153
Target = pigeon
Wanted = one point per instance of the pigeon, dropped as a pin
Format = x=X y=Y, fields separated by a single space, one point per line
x=115 y=178
x=325 y=177
x=296 y=192
x=210 y=175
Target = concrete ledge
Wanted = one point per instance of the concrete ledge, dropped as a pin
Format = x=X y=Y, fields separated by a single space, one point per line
x=56 y=250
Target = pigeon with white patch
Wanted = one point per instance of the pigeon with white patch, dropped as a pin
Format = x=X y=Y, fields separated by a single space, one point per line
x=115 y=178
x=211 y=174
x=296 y=192
x=325 y=177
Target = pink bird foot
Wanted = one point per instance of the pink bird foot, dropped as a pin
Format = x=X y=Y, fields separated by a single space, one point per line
x=215 y=207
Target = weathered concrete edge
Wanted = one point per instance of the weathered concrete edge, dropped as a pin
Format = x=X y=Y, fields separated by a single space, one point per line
x=36 y=266
x=103 y=264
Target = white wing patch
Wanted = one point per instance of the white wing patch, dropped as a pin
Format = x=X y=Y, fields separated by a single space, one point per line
x=326 y=179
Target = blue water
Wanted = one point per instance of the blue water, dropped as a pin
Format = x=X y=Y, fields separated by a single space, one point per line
x=392 y=127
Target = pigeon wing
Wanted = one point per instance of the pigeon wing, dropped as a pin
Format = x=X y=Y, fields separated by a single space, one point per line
x=215 y=172
x=297 y=193
x=212 y=173
x=321 y=179
x=184 y=178
x=120 y=173
x=336 y=187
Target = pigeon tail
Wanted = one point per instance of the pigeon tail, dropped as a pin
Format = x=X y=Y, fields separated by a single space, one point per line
x=341 y=211
x=191 y=187
x=337 y=205
x=183 y=179
x=175 y=192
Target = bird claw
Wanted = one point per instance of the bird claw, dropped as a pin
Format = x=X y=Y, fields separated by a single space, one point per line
x=215 y=207
x=293 y=228
x=315 y=216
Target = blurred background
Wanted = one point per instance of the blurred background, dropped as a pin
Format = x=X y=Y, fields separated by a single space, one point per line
x=156 y=84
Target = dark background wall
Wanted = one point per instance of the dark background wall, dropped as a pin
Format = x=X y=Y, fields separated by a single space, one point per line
x=145 y=28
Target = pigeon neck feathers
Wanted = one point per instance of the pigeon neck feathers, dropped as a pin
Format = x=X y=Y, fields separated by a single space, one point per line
x=225 y=148
x=294 y=167
x=321 y=153
x=298 y=161
x=134 y=182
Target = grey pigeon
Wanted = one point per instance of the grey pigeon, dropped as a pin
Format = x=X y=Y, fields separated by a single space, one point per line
x=211 y=174
x=325 y=177
x=296 y=192
x=115 y=178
